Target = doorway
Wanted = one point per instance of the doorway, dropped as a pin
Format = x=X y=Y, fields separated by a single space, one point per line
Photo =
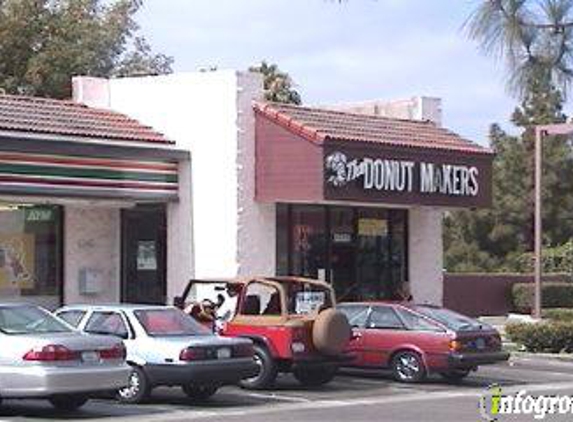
x=144 y=255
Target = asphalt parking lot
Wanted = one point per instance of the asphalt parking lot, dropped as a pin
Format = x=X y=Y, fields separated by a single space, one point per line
x=353 y=396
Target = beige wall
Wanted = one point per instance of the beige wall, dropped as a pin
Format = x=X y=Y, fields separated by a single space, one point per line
x=92 y=241
x=426 y=257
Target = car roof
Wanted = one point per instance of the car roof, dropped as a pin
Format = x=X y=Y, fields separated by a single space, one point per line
x=405 y=304
x=277 y=279
x=17 y=304
x=114 y=307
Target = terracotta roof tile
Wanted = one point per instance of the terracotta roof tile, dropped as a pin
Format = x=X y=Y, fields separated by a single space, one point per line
x=67 y=118
x=317 y=124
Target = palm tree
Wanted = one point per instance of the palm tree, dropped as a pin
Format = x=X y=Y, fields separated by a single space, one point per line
x=534 y=37
x=278 y=85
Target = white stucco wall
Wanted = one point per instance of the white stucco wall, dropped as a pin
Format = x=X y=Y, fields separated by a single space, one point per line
x=92 y=241
x=256 y=229
x=425 y=254
x=209 y=114
x=199 y=112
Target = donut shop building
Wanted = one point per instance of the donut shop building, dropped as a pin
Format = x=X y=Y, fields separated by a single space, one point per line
x=354 y=194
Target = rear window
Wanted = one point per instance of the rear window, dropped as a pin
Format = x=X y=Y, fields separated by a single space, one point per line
x=307 y=298
x=29 y=320
x=72 y=317
x=169 y=323
x=451 y=319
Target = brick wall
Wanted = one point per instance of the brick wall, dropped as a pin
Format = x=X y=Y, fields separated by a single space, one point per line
x=485 y=294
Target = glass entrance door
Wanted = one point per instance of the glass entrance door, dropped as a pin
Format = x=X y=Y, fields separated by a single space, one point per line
x=144 y=255
x=343 y=252
x=372 y=273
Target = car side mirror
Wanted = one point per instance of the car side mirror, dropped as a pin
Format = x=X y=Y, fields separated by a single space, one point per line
x=179 y=302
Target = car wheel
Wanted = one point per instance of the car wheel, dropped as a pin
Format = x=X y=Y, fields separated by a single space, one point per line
x=138 y=388
x=68 y=402
x=200 y=393
x=455 y=375
x=315 y=377
x=268 y=370
x=408 y=366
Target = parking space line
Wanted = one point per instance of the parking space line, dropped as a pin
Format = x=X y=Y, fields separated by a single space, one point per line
x=279 y=397
x=327 y=403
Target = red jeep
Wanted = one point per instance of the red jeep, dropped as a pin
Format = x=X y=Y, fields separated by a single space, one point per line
x=291 y=320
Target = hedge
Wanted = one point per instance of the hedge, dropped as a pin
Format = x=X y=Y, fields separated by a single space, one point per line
x=554 y=295
x=558 y=314
x=551 y=337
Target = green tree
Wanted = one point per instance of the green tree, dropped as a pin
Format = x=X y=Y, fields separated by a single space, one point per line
x=278 y=85
x=495 y=239
x=43 y=43
x=534 y=37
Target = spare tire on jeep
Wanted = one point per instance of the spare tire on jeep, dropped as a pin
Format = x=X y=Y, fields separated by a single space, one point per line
x=331 y=332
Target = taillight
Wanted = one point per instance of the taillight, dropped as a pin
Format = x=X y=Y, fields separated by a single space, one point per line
x=455 y=345
x=51 y=353
x=193 y=353
x=116 y=352
x=243 y=351
x=299 y=343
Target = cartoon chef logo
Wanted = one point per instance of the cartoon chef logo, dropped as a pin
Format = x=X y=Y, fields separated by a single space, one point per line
x=335 y=168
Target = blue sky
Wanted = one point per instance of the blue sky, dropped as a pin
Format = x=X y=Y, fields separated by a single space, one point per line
x=357 y=50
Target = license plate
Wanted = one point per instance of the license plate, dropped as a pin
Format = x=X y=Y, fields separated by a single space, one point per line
x=90 y=357
x=480 y=344
x=223 y=353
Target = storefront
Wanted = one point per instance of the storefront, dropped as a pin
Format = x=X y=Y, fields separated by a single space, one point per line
x=86 y=198
x=351 y=198
x=344 y=185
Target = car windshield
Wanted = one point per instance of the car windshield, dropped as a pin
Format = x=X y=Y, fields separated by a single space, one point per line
x=169 y=323
x=451 y=319
x=29 y=320
x=307 y=298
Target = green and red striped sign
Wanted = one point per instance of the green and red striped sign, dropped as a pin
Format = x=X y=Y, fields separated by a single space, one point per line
x=87 y=176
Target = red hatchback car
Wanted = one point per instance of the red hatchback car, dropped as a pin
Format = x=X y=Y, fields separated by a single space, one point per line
x=416 y=340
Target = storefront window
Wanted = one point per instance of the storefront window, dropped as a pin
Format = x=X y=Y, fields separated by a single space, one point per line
x=362 y=251
x=30 y=252
x=308 y=241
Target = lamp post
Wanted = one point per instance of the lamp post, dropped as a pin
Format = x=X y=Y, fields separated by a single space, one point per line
x=540 y=132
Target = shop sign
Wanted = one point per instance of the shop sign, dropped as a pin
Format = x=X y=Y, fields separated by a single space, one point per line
x=38 y=215
x=372 y=227
x=146 y=255
x=401 y=176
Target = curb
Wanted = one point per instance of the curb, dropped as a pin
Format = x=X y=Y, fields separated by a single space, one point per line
x=563 y=357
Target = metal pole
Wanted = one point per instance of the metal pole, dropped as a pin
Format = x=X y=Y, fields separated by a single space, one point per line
x=538 y=224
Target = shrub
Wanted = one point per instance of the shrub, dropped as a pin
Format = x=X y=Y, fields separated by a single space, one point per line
x=554 y=295
x=558 y=314
x=551 y=336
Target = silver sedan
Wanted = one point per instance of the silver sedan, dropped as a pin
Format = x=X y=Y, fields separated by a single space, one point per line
x=43 y=357
x=167 y=347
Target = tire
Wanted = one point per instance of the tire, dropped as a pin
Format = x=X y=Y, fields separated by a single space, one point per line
x=315 y=377
x=199 y=393
x=268 y=370
x=455 y=375
x=331 y=332
x=68 y=402
x=138 y=389
x=408 y=367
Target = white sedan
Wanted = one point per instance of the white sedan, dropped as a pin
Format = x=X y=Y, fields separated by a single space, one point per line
x=43 y=357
